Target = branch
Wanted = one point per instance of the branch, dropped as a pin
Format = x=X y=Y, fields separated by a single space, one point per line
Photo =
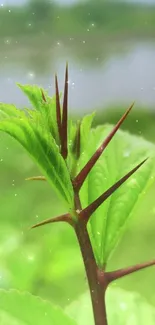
x=80 y=178
x=114 y=275
x=63 y=218
x=90 y=209
x=64 y=148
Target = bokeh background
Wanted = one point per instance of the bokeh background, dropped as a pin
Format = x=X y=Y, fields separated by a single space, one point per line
x=110 y=47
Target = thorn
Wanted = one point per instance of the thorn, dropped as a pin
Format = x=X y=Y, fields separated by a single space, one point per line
x=58 y=109
x=90 y=209
x=80 y=178
x=114 y=275
x=76 y=145
x=36 y=178
x=43 y=95
x=63 y=218
x=64 y=148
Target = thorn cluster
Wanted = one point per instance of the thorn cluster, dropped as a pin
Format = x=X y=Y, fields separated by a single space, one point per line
x=62 y=124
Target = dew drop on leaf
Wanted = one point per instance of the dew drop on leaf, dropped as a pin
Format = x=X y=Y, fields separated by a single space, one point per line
x=132 y=183
x=126 y=153
x=123 y=306
x=30 y=258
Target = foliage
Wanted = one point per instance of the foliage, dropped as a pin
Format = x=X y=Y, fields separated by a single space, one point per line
x=33 y=131
x=24 y=309
x=109 y=221
x=83 y=177
x=44 y=16
x=123 y=308
x=36 y=131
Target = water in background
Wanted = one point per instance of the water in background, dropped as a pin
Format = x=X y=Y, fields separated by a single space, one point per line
x=110 y=49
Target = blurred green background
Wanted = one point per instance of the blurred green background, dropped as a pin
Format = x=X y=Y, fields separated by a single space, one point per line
x=110 y=49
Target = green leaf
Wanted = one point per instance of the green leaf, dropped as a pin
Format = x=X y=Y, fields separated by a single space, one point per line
x=85 y=131
x=33 y=92
x=110 y=220
x=47 y=109
x=25 y=309
x=122 y=308
x=41 y=146
x=85 y=141
x=9 y=110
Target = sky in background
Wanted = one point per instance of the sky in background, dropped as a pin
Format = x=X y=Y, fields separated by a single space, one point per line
x=21 y=2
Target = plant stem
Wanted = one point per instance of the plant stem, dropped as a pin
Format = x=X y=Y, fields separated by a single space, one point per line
x=96 y=289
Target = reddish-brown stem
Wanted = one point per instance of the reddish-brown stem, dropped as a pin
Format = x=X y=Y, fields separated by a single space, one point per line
x=64 y=148
x=90 y=209
x=80 y=178
x=114 y=275
x=96 y=289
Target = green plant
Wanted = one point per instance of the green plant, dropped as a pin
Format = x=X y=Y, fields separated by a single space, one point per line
x=70 y=158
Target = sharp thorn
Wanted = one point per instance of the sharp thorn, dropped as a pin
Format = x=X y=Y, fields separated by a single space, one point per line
x=80 y=178
x=36 y=178
x=63 y=218
x=115 y=275
x=58 y=108
x=43 y=95
x=76 y=145
x=64 y=125
x=89 y=210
